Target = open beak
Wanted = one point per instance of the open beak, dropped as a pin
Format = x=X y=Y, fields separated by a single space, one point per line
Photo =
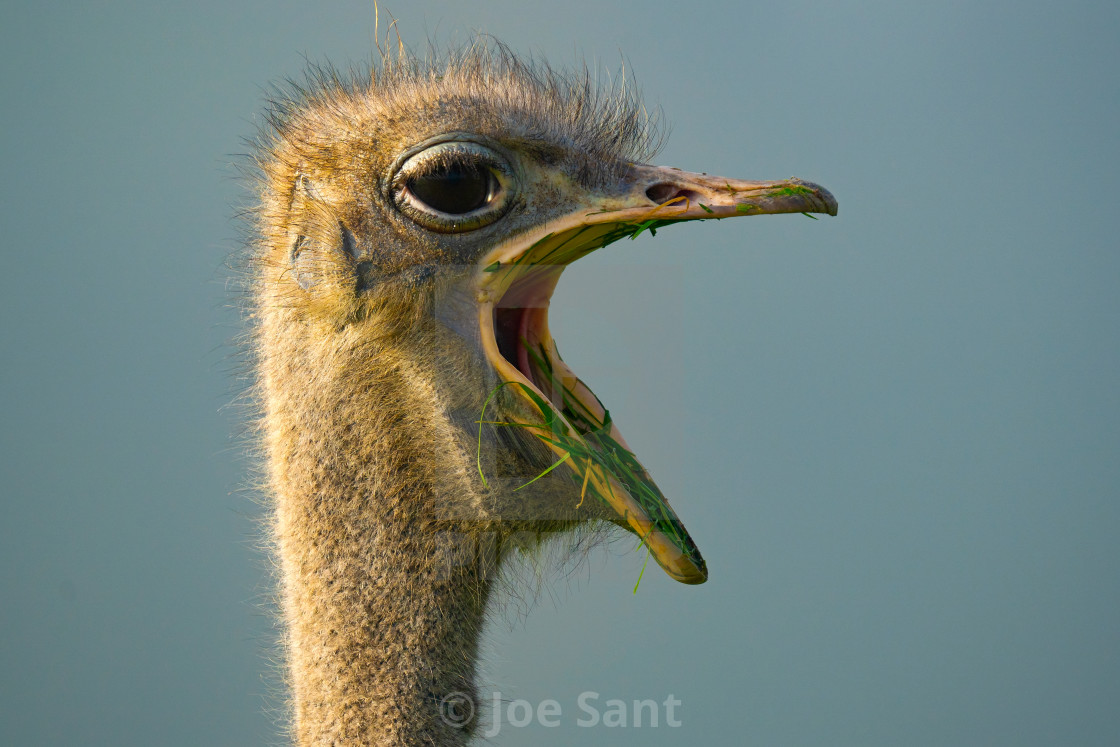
x=514 y=283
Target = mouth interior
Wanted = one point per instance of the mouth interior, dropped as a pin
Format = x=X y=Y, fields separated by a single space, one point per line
x=576 y=422
x=521 y=324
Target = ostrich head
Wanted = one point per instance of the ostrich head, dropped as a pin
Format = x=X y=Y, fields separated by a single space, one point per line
x=413 y=228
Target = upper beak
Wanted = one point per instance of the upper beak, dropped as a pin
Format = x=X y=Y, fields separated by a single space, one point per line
x=682 y=195
x=514 y=283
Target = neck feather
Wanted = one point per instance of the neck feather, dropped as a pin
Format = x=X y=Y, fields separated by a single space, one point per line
x=376 y=527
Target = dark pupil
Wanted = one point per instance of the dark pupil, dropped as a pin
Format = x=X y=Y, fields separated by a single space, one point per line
x=454 y=188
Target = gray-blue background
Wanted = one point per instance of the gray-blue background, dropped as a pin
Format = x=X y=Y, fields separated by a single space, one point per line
x=894 y=434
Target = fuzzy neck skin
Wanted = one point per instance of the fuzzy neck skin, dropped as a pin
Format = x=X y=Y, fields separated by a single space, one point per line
x=376 y=524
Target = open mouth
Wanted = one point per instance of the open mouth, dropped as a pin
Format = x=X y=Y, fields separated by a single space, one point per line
x=514 y=285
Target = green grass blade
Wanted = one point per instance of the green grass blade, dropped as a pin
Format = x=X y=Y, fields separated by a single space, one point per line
x=566 y=457
x=643 y=571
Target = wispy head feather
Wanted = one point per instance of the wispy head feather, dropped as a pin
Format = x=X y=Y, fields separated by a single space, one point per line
x=483 y=80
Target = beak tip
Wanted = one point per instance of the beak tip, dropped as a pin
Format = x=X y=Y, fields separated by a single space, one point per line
x=695 y=580
x=823 y=199
x=830 y=204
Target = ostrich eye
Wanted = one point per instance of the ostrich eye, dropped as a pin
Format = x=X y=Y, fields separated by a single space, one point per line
x=453 y=187
x=456 y=188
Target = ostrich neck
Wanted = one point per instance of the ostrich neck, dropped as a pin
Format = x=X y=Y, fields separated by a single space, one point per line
x=383 y=589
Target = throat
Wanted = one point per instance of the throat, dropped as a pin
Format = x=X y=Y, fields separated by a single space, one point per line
x=513 y=327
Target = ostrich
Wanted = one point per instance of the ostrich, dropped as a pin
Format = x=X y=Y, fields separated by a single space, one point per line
x=418 y=423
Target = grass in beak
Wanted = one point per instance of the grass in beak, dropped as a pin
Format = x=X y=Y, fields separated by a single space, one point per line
x=586 y=479
x=557 y=463
x=583 y=440
x=622 y=468
x=641 y=572
x=790 y=191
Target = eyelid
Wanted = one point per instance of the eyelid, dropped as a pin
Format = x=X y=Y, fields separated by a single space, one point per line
x=449 y=154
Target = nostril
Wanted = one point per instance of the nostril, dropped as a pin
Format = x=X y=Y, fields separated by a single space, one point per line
x=664 y=192
x=661 y=192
